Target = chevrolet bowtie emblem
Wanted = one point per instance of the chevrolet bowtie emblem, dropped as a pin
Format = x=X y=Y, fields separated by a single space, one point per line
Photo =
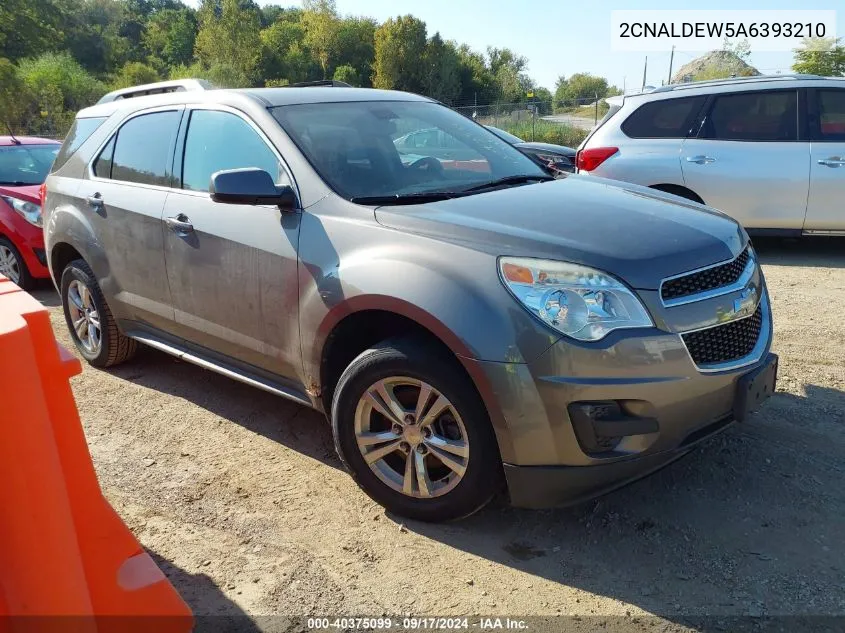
x=746 y=303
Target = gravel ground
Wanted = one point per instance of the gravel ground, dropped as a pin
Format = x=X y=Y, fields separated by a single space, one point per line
x=240 y=498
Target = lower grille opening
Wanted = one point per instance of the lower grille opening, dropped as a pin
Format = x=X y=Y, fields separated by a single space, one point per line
x=725 y=343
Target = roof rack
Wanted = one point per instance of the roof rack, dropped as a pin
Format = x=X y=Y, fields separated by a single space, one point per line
x=731 y=80
x=323 y=82
x=161 y=87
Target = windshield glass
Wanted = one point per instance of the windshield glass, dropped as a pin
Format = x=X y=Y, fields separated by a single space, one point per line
x=506 y=136
x=373 y=149
x=26 y=164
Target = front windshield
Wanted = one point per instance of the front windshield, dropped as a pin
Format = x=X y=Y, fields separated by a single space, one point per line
x=371 y=149
x=26 y=164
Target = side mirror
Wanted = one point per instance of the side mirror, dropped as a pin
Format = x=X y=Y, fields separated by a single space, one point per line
x=251 y=186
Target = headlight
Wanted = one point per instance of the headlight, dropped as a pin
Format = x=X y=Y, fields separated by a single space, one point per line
x=581 y=302
x=30 y=212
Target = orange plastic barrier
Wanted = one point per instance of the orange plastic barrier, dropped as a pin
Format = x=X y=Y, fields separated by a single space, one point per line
x=67 y=561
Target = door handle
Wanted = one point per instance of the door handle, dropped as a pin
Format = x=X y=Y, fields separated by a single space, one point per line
x=700 y=160
x=179 y=224
x=96 y=200
x=833 y=161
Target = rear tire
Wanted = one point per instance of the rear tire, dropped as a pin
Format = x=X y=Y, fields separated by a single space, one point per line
x=409 y=479
x=89 y=319
x=13 y=266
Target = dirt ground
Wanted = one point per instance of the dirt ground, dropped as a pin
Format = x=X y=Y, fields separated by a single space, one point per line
x=242 y=501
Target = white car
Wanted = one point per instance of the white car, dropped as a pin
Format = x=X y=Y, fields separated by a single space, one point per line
x=767 y=150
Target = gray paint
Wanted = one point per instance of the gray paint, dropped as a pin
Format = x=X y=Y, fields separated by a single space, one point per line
x=256 y=292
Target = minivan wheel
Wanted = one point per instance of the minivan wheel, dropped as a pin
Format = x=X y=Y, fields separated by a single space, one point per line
x=89 y=318
x=13 y=266
x=412 y=430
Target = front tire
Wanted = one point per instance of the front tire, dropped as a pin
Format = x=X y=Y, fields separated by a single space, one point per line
x=412 y=430
x=89 y=319
x=13 y=266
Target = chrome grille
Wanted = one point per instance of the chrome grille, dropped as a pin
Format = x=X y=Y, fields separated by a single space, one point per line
x=704 y=280
x=724 y=343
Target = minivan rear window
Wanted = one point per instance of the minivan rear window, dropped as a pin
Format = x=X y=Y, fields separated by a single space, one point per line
x=667 y=118
x=79 y=132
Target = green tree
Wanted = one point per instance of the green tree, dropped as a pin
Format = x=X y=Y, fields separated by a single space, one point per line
x=400 y=45
x=348 y=74
x=441 y=71
x=356 y=46
x=29 y=28
x=170 y=36
x=283 y=53
x=478 y=84
x=59 y=87
x=14 y=96
x=542 y=100
x=581 y=88
x=221 y=75
x=229 y=37
x=322 y=28
x=135 y=74
x=824 y=57
x=561 y=92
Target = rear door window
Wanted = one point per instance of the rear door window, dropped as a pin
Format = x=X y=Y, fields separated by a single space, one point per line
x=102 y=166
x=667 y=118
x=80 y=131
x=767 y=115
x=144 y=148
x=831 y=116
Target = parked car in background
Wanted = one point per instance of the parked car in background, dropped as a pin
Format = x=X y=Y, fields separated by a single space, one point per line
x=767 y=150
x=461 y=327
x=555 y=159
x=24 y=163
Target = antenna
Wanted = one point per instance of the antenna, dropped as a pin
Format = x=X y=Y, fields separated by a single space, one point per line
x=15 y=141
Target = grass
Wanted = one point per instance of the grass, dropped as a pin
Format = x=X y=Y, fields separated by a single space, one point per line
x=546 y=132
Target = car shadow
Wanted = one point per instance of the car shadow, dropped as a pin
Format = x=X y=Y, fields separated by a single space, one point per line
x=46 y=295
x=213 y=611
x=827 y=252
x=747 y=525
x=288 y=423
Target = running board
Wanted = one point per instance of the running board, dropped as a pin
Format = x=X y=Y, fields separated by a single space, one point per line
x=252 y=381
x=809 y=233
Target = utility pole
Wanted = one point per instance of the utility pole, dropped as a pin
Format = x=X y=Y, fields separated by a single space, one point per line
x=645 y=71
x=671 y=59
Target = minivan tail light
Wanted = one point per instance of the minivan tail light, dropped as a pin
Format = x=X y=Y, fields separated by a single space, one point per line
x=589 y=159
x=42 y=193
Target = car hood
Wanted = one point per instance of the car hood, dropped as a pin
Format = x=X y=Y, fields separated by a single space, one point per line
x=548 y=147
x=638 y=234
x=29 y=193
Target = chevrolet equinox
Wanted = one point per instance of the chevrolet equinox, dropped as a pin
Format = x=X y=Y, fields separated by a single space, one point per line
x=464 y=320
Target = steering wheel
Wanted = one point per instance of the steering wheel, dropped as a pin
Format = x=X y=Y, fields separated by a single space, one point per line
x=427 y=163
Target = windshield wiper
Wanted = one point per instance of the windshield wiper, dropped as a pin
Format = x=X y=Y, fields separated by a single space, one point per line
x=408 y=198
x=510 y=180
x=15 y=183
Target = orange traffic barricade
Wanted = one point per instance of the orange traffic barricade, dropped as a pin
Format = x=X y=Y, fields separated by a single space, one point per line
x=67 y=560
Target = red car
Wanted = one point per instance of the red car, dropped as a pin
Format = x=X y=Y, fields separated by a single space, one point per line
x=24 y=163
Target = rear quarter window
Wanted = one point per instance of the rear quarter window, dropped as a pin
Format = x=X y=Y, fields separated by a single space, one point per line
x=667 y=118
x=80 y=131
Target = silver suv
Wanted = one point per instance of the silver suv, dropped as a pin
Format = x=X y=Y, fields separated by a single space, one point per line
x=767 y=150
x=464 y=323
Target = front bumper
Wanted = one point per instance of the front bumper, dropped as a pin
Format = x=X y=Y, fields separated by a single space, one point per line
x=652 y=377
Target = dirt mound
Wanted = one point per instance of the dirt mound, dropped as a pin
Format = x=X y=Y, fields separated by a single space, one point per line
x=714 y=65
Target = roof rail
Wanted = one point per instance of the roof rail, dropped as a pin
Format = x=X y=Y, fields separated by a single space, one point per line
x=161 y=87
x=731 y=80
x=323 y=82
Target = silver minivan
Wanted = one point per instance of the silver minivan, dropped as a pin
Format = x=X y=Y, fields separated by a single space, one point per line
x=767 y=150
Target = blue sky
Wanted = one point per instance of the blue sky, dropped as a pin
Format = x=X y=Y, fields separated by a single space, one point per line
x=564 y=37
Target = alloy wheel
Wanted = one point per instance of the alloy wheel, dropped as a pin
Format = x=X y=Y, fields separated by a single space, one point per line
x=84 y=316
x=412 y=437
x=9 y=265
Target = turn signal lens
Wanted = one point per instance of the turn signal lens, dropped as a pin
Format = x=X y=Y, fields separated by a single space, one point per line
x=517 y=274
